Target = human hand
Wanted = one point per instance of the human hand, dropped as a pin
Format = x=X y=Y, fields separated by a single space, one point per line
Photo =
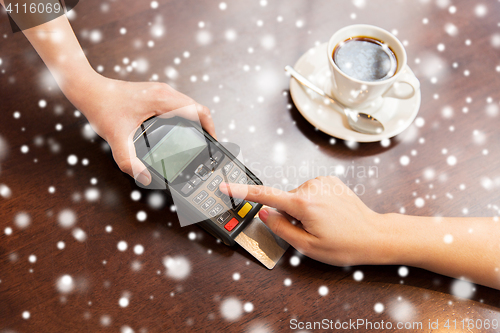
x=335 y=227
x=115 y=109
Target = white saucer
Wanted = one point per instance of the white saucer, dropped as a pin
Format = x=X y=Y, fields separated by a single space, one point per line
x=314 y=65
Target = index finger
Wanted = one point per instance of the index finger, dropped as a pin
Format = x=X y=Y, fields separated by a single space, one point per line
x=268 y=196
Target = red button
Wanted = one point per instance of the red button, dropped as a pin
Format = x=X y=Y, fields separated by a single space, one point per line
x=231 y=224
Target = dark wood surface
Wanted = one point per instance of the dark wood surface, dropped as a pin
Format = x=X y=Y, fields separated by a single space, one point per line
x=256 y=112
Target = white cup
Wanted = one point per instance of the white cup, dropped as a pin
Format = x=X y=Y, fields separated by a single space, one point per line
x=369 y=95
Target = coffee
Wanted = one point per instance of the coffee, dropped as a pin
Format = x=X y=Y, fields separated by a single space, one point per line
x=365 y=59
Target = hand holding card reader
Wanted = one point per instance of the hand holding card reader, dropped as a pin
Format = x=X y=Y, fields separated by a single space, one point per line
x=190 y=164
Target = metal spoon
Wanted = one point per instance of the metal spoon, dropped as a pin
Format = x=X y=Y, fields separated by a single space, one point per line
x=359 y=121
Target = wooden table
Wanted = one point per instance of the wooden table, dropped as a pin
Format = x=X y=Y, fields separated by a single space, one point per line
x=232 y=61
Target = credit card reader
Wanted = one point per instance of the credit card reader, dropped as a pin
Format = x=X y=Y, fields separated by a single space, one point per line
x=190 y=164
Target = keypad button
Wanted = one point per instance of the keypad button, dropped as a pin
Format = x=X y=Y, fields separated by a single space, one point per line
x=227 y=167
x=234 y=175
x=195 y=181
x=187 y=189
x=250 y=182
x=217 y=156
x=214 y=183
x=209 y=203
x=203 y=171
x=216 y=210
x=200 y=197
x=227 y=200
x=231 y=224
x=244 y=210
x=223 y=218
x=237 y=202
x=218 y=193
x=243 y=180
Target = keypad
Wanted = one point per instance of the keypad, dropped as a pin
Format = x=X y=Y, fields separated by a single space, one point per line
x=195 y=181
x=234 y=175
x=216 y=210
x=200 y=197
x=203 y=172
x=243 y=180
x=227 y=200
x=214 y=183
x=209 y=203
x=237 y=202
x=227 y=167
x=203 y=187
x=223 y=218
x=187 y=189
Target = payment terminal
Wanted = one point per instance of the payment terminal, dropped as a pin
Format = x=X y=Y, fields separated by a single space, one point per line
x=189 y=163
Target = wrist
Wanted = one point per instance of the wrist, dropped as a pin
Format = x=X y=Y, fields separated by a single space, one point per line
x=384 y=238
x=77 y=83
x=404 y=240
x=81 y=88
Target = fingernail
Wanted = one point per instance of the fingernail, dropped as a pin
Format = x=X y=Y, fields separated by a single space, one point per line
x=263 y=214
x=143 y=178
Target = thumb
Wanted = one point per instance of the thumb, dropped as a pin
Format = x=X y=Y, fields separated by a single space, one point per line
x=140 y=172
x=282 y=227
x=125 y=156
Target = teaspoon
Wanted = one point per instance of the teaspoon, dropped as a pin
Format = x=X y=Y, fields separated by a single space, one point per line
x=359 y=121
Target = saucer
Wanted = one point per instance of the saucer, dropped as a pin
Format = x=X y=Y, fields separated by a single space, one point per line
x=314 y=65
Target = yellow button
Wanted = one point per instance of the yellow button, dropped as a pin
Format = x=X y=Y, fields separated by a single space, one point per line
x=244 y=210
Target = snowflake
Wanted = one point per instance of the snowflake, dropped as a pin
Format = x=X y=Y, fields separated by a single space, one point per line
x=122 y=246
x=141 y=216
x=5 y=191
x=461 y=288
x=419 y=202
x=403 y=271
x=323 y=290
x=358 y=276
x=480 y=10
x=379 y=308
x=138 y=249
x=92 y=194
x=72 y=159
x=95 y=36
x=448 y=239
x=401 y=310
x=79 y=234
x=178 y=268
x=22 y=220
x=231 y=309
x=65 y=284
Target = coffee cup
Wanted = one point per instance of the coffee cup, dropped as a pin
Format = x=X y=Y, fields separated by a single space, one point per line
x=374 y=72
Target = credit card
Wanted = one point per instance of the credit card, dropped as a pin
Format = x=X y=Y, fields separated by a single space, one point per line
x=258 y=240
